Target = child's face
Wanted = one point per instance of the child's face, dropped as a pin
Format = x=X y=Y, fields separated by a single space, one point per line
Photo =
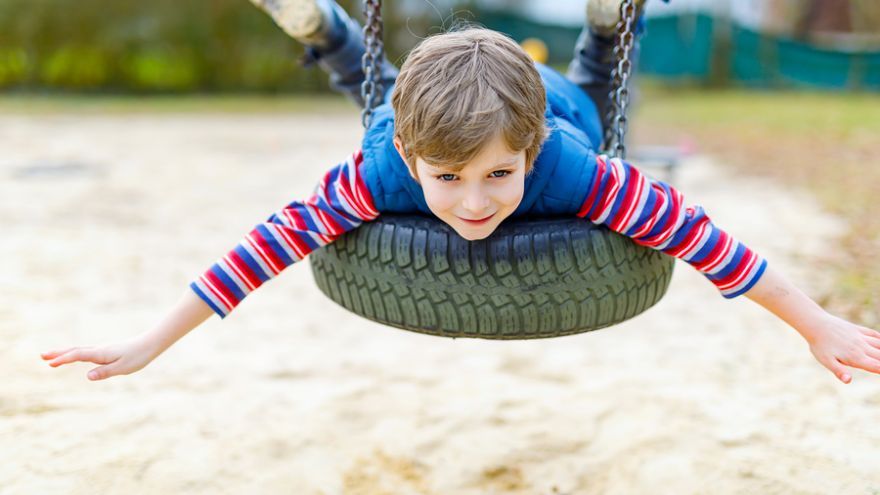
x=475 y=200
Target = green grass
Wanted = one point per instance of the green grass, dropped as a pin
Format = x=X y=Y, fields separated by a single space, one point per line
x=838 y=114
x=826 y=143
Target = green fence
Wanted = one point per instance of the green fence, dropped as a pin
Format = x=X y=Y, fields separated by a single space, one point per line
x=700 y=48
x=679 y=48
x=764 y=61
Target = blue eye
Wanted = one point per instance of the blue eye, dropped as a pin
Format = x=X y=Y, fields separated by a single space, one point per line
x=497 y=174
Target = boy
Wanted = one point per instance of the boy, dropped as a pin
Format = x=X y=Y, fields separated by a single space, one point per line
x=472 y=136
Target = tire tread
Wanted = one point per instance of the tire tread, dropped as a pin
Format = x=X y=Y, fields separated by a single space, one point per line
x=531 y=279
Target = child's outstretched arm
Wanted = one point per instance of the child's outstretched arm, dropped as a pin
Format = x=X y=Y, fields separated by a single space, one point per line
x=654 y=214
x=834 y=342
x=340 y=203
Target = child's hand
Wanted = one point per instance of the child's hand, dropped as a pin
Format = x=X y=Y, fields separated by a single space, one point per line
x=837 y=343
x=834 y=342
x=122 y=358
x=133 y=354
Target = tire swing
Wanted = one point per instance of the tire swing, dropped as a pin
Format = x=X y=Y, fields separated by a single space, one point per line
x=532 y=278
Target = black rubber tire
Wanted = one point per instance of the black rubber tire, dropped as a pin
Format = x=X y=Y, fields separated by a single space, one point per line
x=530 y=279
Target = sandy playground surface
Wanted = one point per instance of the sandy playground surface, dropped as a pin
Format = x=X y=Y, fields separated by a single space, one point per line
x=107 y=218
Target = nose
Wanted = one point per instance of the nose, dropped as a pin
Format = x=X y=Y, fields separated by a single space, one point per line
x=475 y=200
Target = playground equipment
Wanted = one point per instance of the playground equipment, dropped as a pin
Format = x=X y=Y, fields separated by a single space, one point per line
x=532 y=278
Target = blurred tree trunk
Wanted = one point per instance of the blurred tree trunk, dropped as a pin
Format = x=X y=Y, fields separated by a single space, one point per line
x=866 y=16
x=802 y=18
x=825 y=16
x=782 y=16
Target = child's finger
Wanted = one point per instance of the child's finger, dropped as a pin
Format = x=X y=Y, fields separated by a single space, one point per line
x=55 y=353
x=837 y=368
x=101 y=373
x=869 y=364
x=78 y=354
x=873 y=353
x=874 y=341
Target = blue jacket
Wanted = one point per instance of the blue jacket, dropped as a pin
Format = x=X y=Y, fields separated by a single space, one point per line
x=557 y=184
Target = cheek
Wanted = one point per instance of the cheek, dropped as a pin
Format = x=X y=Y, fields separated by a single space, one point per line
x=439 y=198
x=510 y=193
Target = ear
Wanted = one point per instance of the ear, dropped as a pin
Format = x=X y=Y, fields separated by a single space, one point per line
x=398 y=145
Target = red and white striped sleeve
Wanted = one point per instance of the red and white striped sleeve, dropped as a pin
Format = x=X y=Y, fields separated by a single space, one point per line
x=340 y=203
x=654 y=214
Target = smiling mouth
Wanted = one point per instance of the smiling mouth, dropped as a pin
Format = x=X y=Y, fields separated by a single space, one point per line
x=477 y=222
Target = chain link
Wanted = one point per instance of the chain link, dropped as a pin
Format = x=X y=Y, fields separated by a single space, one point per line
x=371 y=89
x=616 y=123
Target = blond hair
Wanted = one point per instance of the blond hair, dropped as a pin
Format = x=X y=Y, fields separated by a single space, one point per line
x=458 y=90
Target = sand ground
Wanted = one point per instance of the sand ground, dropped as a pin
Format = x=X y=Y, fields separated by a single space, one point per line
x=107 y=218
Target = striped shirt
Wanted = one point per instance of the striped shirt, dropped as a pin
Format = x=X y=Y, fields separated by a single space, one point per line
x=340 y=203
x=654 y=214
x=650 y=212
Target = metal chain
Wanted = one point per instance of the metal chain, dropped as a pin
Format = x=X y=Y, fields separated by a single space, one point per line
x=616 y=123
x=371 y=89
